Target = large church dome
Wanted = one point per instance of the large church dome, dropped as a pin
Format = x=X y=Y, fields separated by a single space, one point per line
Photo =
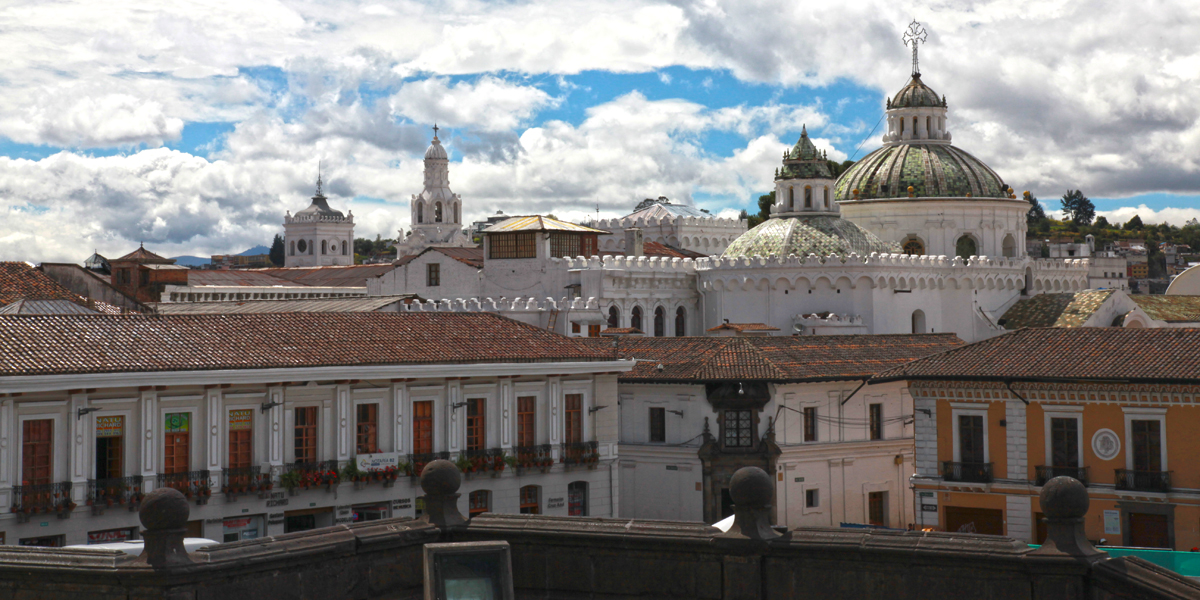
x=932 y=170
x=820 y=235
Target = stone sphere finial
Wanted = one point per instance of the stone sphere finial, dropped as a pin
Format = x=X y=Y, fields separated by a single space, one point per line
x=164 y=508
x=1064 y=498
x=751 y=487
x=440 y=478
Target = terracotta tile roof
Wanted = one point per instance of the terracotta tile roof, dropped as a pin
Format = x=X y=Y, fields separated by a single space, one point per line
x=657 y=249
x=1056 y=353
x=235 y=277
x=45 y=307
x=1172 y=309
x=297 y=305
x=21 y=281
x=470 y=256
x=740 y=327
x=62 y=344
x=621 y=331
x=780 y=359
x=540 y=223
x=348 y=276
x=146 y=256
x=1055 y=310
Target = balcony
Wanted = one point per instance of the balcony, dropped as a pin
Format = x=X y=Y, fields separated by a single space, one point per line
x=490 y=461
x=244 y=480
x=533 y=457
x=192 y=484
x=967 y=472
x=119 y=491
x=417 y=462
x=581 y=453
x=304 y=475
x=1143 y=481
x=1046 y=473
x=46 y=498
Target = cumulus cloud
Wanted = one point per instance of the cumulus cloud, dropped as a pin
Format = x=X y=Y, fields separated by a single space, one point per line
x=489 y=104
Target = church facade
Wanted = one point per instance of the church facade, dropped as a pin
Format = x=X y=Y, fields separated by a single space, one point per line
x=318 y=236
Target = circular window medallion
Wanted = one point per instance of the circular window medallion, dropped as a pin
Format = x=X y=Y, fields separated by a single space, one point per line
x=302 y=246
x=1106 y=445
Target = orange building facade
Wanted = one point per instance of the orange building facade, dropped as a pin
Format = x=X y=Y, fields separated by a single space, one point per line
x=997 y=419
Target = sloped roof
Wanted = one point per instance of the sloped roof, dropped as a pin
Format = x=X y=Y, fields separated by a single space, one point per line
x=1172 y=309
x=304 y=305
x=740 y=327
x=62 y=344
x=235 y=277
x=472 y=256
x=143 y=255
x=20 y=280
x=347 y=276
x=539 y=223
x=45 y=307
x=1071 y=309
x=1168 y=355
x=779 y=359
x=661 y=207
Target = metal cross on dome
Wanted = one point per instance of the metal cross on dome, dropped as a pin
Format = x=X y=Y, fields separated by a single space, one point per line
x=915 y=35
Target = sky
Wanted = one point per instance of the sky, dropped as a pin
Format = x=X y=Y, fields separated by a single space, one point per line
x=194 y=126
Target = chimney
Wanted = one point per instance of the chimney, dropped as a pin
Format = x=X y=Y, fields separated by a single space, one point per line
x=633 y=242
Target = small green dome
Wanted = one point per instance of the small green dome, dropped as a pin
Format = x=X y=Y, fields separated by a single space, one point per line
x=916 y=94
x=820 y=235
x=933 y=171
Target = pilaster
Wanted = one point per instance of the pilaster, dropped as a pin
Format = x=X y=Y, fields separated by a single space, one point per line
x=345 y=422
x=151 y=432
x=399 y=404
x=275 y=396
x=926 y=436
x=80 y=436
x=217 y=425
x=1016 y=440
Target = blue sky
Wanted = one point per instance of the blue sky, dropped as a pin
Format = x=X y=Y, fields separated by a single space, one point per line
x=195 y=129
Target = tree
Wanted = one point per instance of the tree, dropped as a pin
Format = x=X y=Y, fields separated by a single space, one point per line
x=1036 y=213
x=1134 y=223
x=764 y=210
x=363 y=246
x=277 y=253
x=1102 y=223
x=1078 y=208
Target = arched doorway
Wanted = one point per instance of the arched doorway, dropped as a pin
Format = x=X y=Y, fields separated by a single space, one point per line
x=966 y=247
x=918 y=321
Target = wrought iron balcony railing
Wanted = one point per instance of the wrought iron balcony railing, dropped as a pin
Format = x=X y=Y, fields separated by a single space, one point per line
x=193 y=484
x=417 y=462
x=1143 y=481
x=245 y=480
x=580 y=453
x=485 y=461
x=533 y=457
x=967 y=472
x=42 y=498
x=1046 y=473
x=117 y=490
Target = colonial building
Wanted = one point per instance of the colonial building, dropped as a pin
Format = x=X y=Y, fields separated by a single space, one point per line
x=318 y=235
x=697 y=409
x=144 y=275
x=271 y=423
x=436 y=213
x=1113 y=408
x=676 y=225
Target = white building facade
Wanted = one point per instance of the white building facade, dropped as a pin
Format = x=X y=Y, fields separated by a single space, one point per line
x=677 y=225
x=435 y=213
x=318 y=236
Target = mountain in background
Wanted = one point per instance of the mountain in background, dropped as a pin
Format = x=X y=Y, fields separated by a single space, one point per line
x=196 y=261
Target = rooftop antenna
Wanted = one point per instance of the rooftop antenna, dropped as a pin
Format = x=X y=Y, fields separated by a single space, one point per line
x=914 y=36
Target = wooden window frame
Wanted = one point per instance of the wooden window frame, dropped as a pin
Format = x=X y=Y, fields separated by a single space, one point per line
x=521 y=244
x=366 y=428
x=810 y=424
x=305 y=447
x=875 y=412
x=422 y=427
x=170 y=460
x=658 y=424
x=737 y=428
x=479 y=502
x=433 y=275
x=476 y=423
x=573 y=418
x=241 y=445
x=530 y=498
x=526 y=420
x=37 y=451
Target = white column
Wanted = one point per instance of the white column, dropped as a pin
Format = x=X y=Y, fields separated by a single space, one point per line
x=275 y=427
x=399 y=406
x=555 y=404
x=151 y=433
x=78 y=429
x=345 y=422
x=506 y=411
x=217 y=425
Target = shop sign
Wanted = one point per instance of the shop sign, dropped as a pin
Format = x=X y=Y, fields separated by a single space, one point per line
x=343 y=514
x=110 y=427
x=110 y=536
x=277 y=499
x=237 y=523
x=378 y=462
x=555 y=503
x=929 y=508
x=402 y=504
x=178 y=422
x=240 y=420
x=275 y=519
x=1112 y=522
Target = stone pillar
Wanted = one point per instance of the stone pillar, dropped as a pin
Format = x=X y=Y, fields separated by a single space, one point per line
x=751 y=489
x=440 y=481
x=164 y=514
x=1065 y=503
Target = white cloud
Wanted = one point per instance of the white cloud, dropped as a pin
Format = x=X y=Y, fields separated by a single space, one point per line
x=489 y=104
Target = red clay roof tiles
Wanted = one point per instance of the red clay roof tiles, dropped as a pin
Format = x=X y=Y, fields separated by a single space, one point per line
x=19 y=280
x=62 y=344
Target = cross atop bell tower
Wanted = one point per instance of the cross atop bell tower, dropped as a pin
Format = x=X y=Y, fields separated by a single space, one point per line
x=914 y=36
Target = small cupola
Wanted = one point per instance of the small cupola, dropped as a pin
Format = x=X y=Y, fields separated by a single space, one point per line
x=804 y=184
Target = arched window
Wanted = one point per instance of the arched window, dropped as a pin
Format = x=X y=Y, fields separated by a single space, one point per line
x=928 y=126
x=660 y=322
x=1028 y=281
x=965 y=247
x=680 y=322
x=344 y=248
x=312 y=247
x=324 y=247
x=292 y=247
x=420 y=212
x=918 y=321
x=827 y=197
x=437 y=212
x=531 y=500
x=791 y=198
x=635 y=318
x=614 y=317
x=1009 y=246
x=807 y=196
x=914 y=247
x=577 y=499
x=480 y=502
x=914 y=127
x=901 y=125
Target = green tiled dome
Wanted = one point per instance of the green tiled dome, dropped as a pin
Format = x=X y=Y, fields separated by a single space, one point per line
x=820 y=235
x=933 y=171
x=916 y=94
